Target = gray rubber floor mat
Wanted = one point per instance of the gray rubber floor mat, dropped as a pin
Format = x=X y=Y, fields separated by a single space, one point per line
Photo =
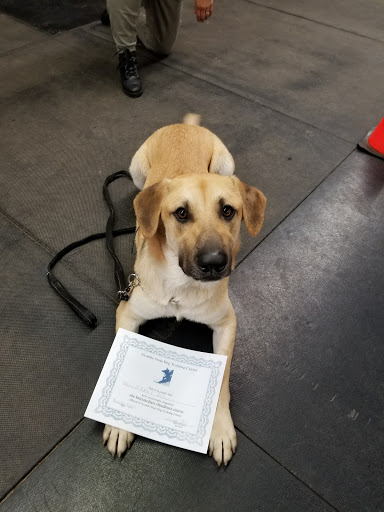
x=363 y=18
x=80 y=475
x=53 y=15
x=67 y=125
x=307 y=371
x=14 y=34
x=326 y=77
x=49 y=360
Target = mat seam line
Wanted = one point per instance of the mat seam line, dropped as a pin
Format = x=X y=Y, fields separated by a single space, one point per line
x=52 y=252
x=32 y=43
x=207 y=80
x=322 y=23
x=41 y=461
x=255 y=101
x=296 y=206
x=286 y=468
x=23 y=47
x=22 y=21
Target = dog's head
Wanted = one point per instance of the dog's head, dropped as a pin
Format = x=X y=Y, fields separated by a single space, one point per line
x=199 y=218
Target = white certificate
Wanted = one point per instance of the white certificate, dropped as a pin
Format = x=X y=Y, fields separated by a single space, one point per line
x=158 y=391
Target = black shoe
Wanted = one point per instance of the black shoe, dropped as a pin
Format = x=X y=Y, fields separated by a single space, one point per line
x=104 y=18
x=130 y=79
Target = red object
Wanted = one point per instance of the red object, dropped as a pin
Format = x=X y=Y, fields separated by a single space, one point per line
x=376 y=139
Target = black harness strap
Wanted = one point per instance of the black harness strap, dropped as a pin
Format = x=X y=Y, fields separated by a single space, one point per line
x=84 y=313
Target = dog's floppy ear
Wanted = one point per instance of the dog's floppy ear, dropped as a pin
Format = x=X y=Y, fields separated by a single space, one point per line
x=254 y=203
x=147 y=205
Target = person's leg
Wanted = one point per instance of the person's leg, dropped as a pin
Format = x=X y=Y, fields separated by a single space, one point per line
x=123 y=15
x=158 y=29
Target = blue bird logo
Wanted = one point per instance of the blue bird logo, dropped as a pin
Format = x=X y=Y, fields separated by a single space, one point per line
x=166 y=377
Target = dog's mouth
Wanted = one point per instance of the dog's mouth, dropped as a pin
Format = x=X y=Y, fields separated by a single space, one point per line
x=212 y=277
x=205 y=277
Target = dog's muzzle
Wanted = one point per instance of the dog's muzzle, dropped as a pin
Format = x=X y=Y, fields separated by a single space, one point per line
x=209 y=264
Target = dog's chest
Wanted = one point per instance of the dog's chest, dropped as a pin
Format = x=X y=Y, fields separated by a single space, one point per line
x=181 y=302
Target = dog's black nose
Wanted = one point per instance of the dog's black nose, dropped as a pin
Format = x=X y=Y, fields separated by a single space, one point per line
x=212 y=262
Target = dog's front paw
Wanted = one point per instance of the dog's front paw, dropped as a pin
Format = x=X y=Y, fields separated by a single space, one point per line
x=223 y=441
x=117 y=440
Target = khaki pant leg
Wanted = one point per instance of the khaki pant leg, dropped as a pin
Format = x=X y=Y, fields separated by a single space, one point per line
x=159 y=27
x=124 y=15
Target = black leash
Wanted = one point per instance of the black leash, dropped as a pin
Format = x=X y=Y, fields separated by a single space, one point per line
x=83 y=312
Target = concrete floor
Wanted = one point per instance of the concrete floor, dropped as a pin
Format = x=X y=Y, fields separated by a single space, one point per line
x=290 y=87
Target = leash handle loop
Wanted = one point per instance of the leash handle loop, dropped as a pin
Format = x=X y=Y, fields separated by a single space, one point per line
x=81 y=311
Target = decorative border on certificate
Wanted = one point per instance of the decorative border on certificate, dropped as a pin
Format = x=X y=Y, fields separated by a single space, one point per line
x=149 y=426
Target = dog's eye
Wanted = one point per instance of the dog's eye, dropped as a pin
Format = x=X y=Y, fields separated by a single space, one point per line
x=181 y=214
x=228 y=212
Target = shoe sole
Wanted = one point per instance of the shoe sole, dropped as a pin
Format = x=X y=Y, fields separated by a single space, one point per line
x=133 y=94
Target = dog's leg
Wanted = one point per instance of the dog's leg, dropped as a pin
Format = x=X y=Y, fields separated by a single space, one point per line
x=139 y=168
x=117 y=439
x=221 y=161
x=223 y=441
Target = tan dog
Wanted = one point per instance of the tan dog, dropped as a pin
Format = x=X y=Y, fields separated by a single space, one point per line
x=189 y=214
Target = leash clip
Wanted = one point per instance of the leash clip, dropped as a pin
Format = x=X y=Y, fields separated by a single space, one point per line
x=133 y=281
